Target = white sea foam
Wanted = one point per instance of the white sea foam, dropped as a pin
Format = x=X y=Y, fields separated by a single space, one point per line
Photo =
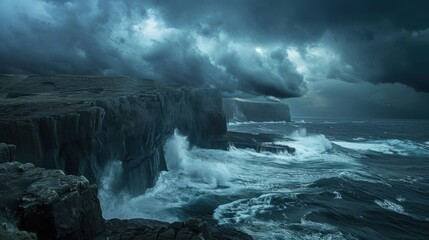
x=307 y=145
x=238 y=123
x=329 y=122
x=197 y=174
x=188 y=177
x=389 y=146
x=391 y=206
x=400 y=199
x=408 y=179
x=363 y=176
x=318 y=142
x=311 y=147
x=337 y=195
x=178 y=160
x=249 y=214
x=244 y=210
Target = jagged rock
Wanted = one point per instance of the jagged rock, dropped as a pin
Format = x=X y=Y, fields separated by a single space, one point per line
x=56 y=206
x=167 y=234
x=150 y=229
x=256 y=110
x=80 y=124
x=176 y=225
x=227 y=233
x=7 y=152
x=47 y=203
x=260 y=142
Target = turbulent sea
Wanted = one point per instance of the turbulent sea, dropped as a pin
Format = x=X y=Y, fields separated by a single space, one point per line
x=366 y=179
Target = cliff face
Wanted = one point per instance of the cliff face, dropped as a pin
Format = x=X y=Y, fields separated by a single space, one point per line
x=7 y=152
x=80 y=124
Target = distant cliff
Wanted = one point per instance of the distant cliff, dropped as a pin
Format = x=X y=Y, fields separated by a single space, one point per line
x=79 y=124
x=256 y=110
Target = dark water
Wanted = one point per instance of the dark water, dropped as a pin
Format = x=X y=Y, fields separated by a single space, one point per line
x=349 y=179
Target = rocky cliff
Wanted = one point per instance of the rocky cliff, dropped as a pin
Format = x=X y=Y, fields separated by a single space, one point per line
x=79 y=124
x=7 y=152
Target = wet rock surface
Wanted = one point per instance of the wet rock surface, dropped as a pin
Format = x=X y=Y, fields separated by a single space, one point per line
x=7 y=152
x=260 y=142
x=149 y=229
x=47 y=203
x=82 y=123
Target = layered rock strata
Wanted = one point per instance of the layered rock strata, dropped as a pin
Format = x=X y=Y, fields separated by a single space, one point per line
x=79 y=123
x=7 y=152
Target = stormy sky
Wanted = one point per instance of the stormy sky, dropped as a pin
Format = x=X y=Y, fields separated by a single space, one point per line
x=338 y=58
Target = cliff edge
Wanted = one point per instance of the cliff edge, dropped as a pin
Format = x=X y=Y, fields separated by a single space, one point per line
x=79 y=124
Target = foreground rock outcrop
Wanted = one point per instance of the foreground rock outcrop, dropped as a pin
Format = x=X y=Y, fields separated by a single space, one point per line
x=189 y=230
x=80 y=124
x=256 y=110
x=47 y=203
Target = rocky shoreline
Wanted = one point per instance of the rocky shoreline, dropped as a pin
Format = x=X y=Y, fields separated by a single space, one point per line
x=78 y=125
x=55 y=125
x=47 y=204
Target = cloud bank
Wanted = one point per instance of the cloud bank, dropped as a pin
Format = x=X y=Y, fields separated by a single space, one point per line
x=273 y=48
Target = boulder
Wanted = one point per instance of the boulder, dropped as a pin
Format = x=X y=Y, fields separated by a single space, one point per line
x=47 y=203
x=156 y=230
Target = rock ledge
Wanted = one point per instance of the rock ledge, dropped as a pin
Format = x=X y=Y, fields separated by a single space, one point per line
x=47 y=203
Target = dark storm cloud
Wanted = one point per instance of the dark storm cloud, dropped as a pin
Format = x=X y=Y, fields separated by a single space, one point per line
x=250 y=47
x=381 y=41
x=131 y=38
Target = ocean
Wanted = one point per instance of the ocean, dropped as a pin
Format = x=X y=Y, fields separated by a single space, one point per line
x=349 y=179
